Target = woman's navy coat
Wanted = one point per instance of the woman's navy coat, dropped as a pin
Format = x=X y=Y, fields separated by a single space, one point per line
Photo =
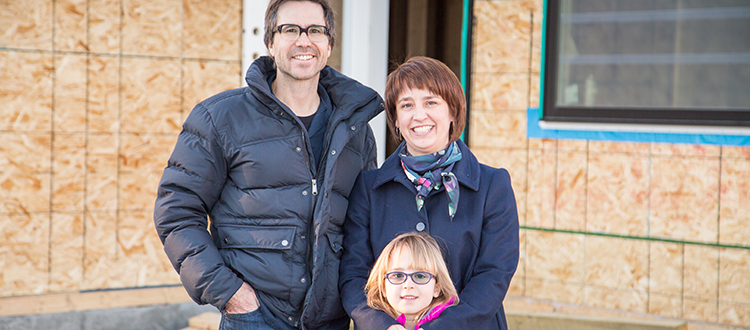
x=480 y=243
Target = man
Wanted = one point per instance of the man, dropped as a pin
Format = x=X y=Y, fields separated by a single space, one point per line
x=272 y=166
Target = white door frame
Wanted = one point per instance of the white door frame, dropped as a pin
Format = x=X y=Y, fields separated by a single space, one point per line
x=364 y=52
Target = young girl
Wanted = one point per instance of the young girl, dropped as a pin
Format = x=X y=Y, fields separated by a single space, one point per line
x=410 y=281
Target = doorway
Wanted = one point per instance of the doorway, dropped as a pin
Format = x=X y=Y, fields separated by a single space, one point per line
x=431 y=28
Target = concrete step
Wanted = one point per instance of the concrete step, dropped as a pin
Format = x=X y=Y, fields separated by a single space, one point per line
x=520 y=320
x=205 y=321
x=527 y=320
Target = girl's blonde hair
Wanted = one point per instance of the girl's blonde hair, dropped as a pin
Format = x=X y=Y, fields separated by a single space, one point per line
x=426 y=256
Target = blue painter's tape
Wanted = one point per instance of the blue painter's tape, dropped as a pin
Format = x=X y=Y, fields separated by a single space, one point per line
x=534 y=131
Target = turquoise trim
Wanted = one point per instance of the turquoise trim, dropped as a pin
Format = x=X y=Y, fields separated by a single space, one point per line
x=534 y=131
x=540 y=112
x=464 y=46
x=464 y=41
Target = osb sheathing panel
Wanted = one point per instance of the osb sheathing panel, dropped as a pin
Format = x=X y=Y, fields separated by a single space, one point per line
x=70 y=25
x=150 y=95
x=66 y=256
x=735 y=201
x=515 y=161
x=26 y=85
x=152 y=28
x=100 y=250
x=620 y=185
x=26 y=24
x=681 y=212
x=105 y=21
x=201 y=77
x=25 y=172
x=140 y=252
x=212 y=29
x=103 y=97
x=87 y=123
x=632 y=190
x=101 y=172
x=68 y=174
x=502 y=36
x=541 y=189
x=25 y=253
x=69 y=102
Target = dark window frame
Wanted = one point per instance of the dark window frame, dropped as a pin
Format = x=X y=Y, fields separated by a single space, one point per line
x=552 y=112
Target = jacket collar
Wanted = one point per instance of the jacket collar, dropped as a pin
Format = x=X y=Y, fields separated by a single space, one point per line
x=347 y=95
x=466 y=170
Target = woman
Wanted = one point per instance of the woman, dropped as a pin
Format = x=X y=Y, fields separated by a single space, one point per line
x=432 y=183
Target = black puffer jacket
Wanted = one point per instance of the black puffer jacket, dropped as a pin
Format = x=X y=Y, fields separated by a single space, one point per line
x=244 y=160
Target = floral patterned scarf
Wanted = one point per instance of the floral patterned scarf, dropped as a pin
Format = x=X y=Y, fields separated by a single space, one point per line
x=436 y=169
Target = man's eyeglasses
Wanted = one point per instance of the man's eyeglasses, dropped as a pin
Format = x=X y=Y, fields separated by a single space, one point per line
x=420 y=278
x=292 y=31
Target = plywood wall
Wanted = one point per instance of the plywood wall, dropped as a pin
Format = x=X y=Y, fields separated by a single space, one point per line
x=592 y=213
x=92 y=97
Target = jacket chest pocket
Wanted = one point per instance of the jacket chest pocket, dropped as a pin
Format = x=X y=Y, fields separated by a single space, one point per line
x=257 y=237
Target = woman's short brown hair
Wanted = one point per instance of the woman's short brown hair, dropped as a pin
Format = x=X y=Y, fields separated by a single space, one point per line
x=428 y=74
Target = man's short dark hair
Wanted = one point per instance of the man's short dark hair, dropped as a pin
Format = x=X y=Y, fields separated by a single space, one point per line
x=272 y=19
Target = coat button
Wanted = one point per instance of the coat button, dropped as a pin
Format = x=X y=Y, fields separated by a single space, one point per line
x=304 y=193
x=420 y=226
x=284 y=243
x=353 y=128
x=226 y=241
x=333 y=152
x=298 y=149
x=303 y=280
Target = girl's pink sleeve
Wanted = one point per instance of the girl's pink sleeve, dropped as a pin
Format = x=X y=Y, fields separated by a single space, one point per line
x=434 y=312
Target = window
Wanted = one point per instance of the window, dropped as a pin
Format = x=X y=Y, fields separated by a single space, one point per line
x=667 y=62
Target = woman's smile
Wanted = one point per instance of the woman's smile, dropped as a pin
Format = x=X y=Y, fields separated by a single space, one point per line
x=422 y=129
